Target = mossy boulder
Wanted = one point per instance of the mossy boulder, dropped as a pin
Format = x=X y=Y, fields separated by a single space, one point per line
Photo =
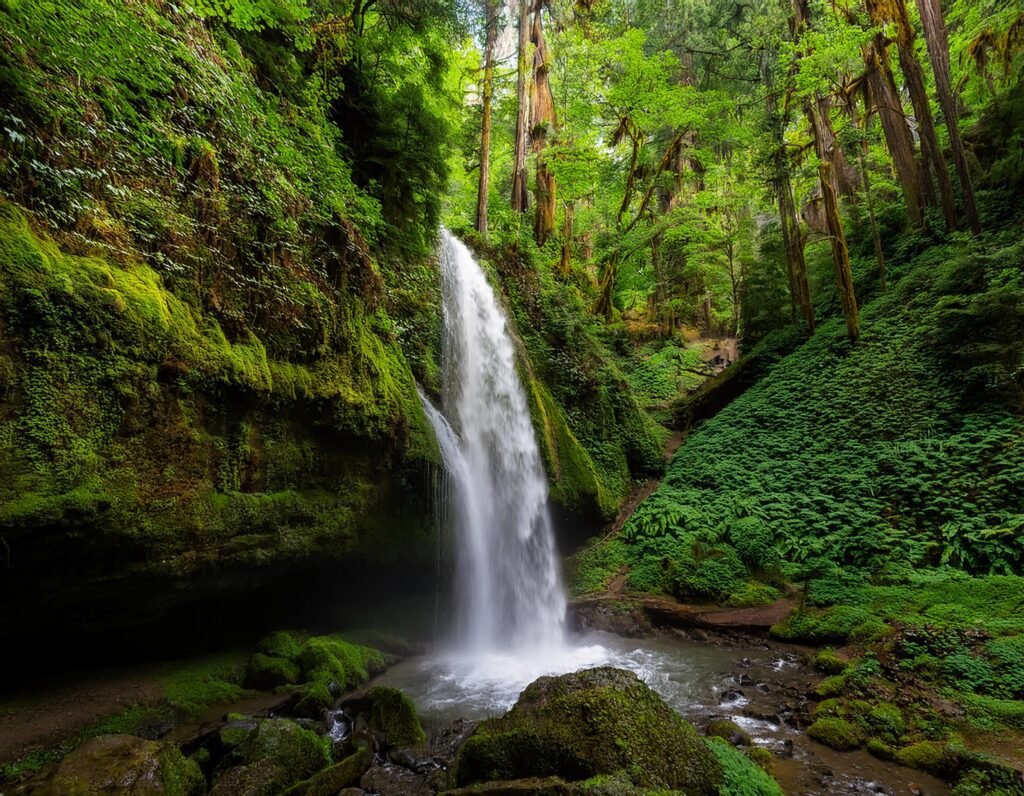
x=730 y=731
x=393 y=715
x=578 y=726
x=837 y=733
x=122 y=764
x=830 y=687
x=266 y=672
x=531 y=786
x=281 y=644
x=886 y=720
x=330 y=665
x=300 y=752
x=261 y=778
x=333 y=778
x=830 y=662
x=931 y=756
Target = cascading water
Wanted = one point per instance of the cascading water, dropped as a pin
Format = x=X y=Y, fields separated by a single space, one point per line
x=508 y=590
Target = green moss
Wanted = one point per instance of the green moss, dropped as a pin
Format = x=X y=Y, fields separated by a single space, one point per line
x=281 y=644
x=598 y=721
x=880 y=749
x=836 y=733
x=266 y=673
x=886 y=720
x=298 y=751
x=393 y=714
x=742 y=777
x=930 y=756
x=331 y=656
x=762 y=758
x=336 y=777
x=833 y=686
x=191 y=688
x=829 y=662
x=729 y=731
x=180 y=775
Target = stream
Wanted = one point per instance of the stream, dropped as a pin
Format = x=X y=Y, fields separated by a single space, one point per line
x=761 y=687
x=509 y=625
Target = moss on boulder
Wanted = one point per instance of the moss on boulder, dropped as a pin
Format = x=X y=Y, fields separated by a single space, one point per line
x=931 y=756
x=333 y=778
x=261 y=778
x=300 y=752
x=729 y=731
x=836 y=733
x=593 y=722
x=393 y=714
x=266 y=672
x=123 y=764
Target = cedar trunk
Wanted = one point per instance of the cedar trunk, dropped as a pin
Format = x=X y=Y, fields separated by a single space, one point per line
x=485 y=125
x=519 y=190
x=834 y=222
x=894 y=124
x=938 y=51
x=542 y=122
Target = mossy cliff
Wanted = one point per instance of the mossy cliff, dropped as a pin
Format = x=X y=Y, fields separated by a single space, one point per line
x=202 y=384
x=217 y=294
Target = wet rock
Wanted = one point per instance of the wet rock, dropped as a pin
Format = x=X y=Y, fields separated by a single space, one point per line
x=732 y=695
x=261 y=778
x=533 y=786
x=336 y=777
x=787 y=748
x=122 y=764
x=730 y=731
x=390 y=715
x=298 y=751
x=392 y=780
x=580 y=725
x=764 y=688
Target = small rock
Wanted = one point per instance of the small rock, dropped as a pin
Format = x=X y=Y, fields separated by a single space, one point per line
x=787 y=748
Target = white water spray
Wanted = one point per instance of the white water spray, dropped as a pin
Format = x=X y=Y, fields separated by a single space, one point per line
x=508 y=590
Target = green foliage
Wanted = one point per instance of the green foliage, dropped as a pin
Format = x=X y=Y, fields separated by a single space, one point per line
x=742 y=777
x=836 y=733
x=393 y=714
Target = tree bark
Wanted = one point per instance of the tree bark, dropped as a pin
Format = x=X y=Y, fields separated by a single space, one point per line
x=834 y=222
x=485 y=125
x=862 y=159
x=542 y=122
x=894 y=124
x=792 y=240
x=938 y=51
x=519 y=190
x=896 y=11
x=567 y=236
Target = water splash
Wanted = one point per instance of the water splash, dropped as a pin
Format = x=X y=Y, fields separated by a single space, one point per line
x=508 y=589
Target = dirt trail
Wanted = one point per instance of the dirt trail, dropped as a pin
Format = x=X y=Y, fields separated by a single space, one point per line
x=57 y=708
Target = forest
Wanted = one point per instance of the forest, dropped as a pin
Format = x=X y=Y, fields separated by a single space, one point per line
x=597 y=397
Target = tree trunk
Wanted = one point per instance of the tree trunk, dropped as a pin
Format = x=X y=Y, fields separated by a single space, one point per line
x=894 y=124
x=862 y=159
x=792 y=241
x=834 y=222
x=485 y=125
x=567 y=236
x=896 y=11
x=542 y=122
x=938 y=51
x=519 y=190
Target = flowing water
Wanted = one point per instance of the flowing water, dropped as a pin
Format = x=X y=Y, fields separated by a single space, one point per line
x=508 y=592
x=509 y=627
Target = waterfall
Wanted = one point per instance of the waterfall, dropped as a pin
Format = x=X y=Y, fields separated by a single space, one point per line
x=508 y=589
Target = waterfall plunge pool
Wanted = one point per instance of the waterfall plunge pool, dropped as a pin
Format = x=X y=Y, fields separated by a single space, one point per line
x=761 y=687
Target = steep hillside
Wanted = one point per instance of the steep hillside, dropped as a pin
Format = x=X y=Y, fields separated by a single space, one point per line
x=217 y=292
